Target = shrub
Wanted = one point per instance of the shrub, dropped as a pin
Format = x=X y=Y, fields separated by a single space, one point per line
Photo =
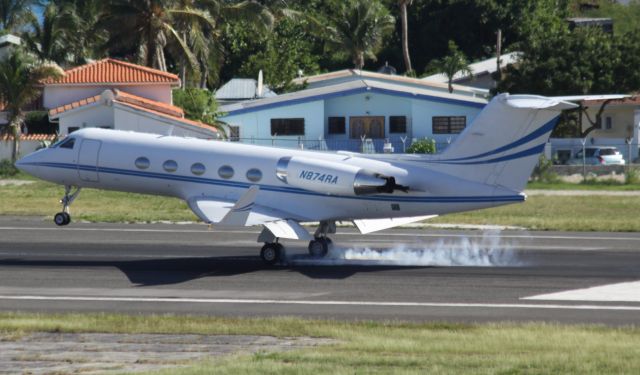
x=422 y=146
x=632 y=177
x=7 y=169
x=543 y=171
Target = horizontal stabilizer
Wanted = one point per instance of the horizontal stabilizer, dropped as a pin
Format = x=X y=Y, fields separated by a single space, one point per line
x=373 y=225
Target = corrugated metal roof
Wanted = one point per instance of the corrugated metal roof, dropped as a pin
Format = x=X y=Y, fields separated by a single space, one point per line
x=349 y=88
x=481 y=67
x=242 y=89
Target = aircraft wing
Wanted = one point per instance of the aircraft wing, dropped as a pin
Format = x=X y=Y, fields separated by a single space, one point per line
x=245 y=212
x=373 y=225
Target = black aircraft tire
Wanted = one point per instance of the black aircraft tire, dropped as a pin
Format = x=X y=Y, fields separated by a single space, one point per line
x=270 y=253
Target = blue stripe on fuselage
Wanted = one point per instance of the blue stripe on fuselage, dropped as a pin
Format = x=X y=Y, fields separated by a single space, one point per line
x=281 y=189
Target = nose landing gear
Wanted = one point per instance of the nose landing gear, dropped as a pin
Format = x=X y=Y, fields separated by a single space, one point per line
x=64 y=218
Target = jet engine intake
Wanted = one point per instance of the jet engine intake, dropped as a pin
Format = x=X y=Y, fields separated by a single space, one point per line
x=333 y=178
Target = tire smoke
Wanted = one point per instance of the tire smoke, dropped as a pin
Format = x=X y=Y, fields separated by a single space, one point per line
x=490 y=250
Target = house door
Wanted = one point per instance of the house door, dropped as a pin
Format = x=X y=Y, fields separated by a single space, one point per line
x=368 y=126
x=88 y=160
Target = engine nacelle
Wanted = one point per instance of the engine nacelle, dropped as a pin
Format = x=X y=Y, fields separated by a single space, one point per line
x=332 y=178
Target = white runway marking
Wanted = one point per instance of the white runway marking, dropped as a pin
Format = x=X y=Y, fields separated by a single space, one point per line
x=318 y=303
x=622 y=292
x=386 y=234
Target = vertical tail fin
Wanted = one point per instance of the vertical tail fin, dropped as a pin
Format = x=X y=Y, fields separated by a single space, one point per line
x=502 y=145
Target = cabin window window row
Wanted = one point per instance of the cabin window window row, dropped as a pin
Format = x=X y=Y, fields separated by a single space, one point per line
x=448 y=124
x=254 y=175
x=170 y=166
x=142 y=163
x=225 y=172
x=287 y=126
x=198 y=169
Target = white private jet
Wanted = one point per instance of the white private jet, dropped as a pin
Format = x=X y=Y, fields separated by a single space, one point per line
x=231 y=184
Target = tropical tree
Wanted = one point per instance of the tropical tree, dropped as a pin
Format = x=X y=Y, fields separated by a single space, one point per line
x=358 y=28
x=20 y=77
x=16 y=13
x=405 y=34
x=454 y=63
x=200 y=105
x=83 y=33
x=149 y=26
x=47 y=40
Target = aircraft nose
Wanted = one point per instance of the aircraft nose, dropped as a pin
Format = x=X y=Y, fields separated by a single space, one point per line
x=27 y=164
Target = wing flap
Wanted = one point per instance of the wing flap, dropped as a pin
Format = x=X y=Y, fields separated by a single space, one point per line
x=288 y=229
x=373 y=225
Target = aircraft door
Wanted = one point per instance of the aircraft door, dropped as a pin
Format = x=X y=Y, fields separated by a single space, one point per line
x=88 y=160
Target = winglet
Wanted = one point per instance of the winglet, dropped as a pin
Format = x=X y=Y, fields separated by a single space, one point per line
x=239 y=213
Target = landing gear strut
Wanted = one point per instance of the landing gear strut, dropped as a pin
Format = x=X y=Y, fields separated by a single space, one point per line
x=64 y=218
x=272 y=252
x=321 y=244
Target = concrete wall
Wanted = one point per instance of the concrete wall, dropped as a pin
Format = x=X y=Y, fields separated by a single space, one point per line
x=256 y=126
x=90 y=117
x=623 y=122
x=55 y=96
x=126 y=118
x=26 y=147
x=366 y=104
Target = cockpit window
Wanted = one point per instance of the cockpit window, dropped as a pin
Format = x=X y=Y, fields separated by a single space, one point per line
x=68 y=143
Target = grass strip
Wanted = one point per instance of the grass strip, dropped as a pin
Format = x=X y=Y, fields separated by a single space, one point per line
x=568 y=213
x=377 y=347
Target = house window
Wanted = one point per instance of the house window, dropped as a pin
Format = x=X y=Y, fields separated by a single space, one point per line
x=448 y=124
x=397 y=124
x=337 y=125
x=234 y=133
x=287 y=126
x=608 y=123
x=71 y=129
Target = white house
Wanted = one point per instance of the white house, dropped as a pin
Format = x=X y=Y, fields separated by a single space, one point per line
x=355 y=110
x=481 y=76
x=119 y=95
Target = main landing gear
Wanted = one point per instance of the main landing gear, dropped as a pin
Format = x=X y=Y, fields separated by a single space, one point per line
x=273 y=252
x=321 y=244
x=64 y=218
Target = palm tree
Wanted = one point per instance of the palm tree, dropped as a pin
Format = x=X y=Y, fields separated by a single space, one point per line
x=151 y=25
x=405 y=34
x=455 y=62
x=46 y=40
x=20 y=77
x=16 y=13
x=358 y=28
x=204 y=39
x=83 y=35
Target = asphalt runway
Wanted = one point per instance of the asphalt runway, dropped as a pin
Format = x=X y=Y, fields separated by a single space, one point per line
x=401 y=274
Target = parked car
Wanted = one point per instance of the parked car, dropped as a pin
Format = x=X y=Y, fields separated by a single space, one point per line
x=598 y=156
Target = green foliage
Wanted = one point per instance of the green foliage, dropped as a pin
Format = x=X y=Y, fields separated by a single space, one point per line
x=625 y=17
x=357 y=29
x=38 y=122
x=454 y=62
x=288 y=49
x=422 y=146
x=632 y=176
x=584 y=61
x=543 y=171
x=198 y=104
x=7 y=169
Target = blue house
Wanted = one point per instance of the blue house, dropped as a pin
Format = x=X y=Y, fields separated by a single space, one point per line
x=355 y=110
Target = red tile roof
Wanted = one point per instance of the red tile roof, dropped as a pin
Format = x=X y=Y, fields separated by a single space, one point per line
x=111 y=71
x=133 y=101
x=30 y=137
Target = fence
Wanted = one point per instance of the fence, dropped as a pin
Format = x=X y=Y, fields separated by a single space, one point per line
x=366 y=146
